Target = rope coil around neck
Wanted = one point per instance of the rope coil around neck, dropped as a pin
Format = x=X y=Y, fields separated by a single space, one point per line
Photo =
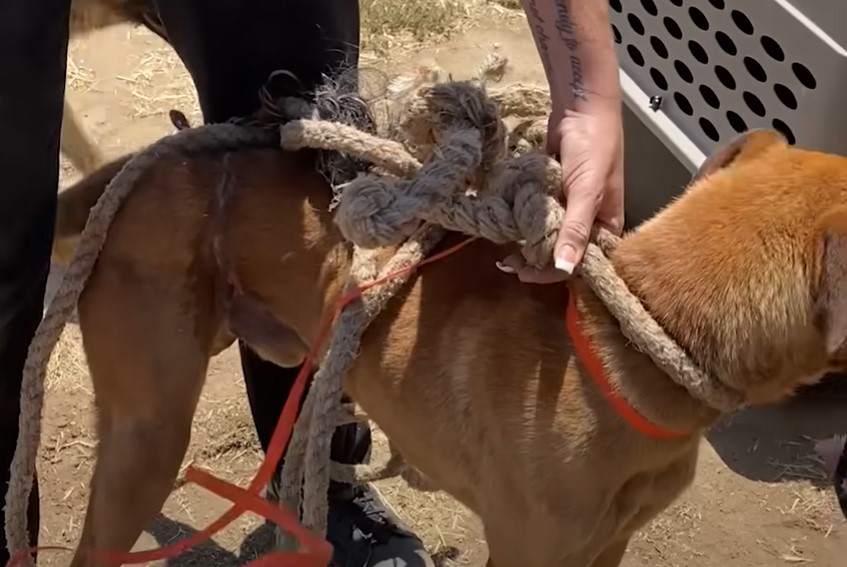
x=517 y=202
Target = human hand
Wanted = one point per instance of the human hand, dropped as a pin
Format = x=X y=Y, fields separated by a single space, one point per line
x=590 y=148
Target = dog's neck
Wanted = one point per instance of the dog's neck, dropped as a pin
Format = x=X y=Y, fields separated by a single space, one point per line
x=734 y=293
x=646 y=387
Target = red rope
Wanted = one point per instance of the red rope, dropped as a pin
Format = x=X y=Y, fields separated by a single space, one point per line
x=314 y=551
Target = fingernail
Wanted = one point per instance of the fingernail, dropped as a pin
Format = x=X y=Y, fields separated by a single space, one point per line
x=504 y=268
x=564 y=260
x=564 y=265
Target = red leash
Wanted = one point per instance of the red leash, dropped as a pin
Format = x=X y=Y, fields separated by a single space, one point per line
x=594 y=366
x=317 y=550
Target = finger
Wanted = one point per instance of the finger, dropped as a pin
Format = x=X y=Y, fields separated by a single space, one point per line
x=511 y=264
x=545 y=276
x=516 y=265
x=580 y=211
x=615 y=224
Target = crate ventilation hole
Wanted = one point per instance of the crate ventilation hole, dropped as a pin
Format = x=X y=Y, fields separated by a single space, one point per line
x=673 y=42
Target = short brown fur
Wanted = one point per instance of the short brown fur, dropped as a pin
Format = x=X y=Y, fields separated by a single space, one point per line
x=470 y=373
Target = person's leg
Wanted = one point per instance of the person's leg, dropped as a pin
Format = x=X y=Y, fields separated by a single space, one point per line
x=231 y=47
x=33 y=41
x=840 y=481
x=268 y=386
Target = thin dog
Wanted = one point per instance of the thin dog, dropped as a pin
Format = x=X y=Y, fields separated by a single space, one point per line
x=471 y=374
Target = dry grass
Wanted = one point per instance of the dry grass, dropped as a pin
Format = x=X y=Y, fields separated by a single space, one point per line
x=159 y=83
x=68 y=369
x=510 y=4
x=79 y=77
x=387 y=24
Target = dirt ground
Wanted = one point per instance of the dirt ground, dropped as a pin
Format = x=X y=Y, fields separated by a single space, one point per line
x=760 y=499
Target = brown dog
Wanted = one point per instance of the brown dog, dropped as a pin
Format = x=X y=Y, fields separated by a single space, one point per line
x=470 y=373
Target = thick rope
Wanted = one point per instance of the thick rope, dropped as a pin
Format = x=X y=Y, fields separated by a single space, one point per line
x=308 y=453
x=518 y=204
x=182 y=144
x=466 y=185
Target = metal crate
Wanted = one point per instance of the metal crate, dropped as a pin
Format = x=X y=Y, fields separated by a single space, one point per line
x=696 y=72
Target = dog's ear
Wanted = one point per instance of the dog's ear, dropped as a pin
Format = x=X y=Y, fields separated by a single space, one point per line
x=179 y=120
x=832 y=293
x=744 y=146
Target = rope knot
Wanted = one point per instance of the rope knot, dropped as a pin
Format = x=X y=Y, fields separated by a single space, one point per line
x=375 y=212
x=446 y=106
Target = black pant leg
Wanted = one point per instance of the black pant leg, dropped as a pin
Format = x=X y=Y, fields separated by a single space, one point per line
x=33 y=44
x=268 y=387
x=841 y=481
x=231 y=47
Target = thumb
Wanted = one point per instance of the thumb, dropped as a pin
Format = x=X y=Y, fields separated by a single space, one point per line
x=573 y=236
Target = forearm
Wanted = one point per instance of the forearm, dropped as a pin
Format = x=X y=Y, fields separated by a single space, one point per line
x=574 y=41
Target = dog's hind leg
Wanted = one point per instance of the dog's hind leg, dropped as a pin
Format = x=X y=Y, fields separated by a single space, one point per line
x=147 y=343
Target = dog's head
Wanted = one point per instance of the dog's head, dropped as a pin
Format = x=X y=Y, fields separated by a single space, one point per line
x=748 y=268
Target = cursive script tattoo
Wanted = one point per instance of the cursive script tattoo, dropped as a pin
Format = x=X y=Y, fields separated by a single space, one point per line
x=566 y=28
x=541 y=37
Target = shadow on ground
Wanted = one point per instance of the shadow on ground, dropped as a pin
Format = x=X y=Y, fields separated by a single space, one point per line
x=776 y=443
x=167 y=532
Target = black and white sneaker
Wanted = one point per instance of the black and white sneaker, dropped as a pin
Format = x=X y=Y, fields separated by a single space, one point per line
x=363 y=531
